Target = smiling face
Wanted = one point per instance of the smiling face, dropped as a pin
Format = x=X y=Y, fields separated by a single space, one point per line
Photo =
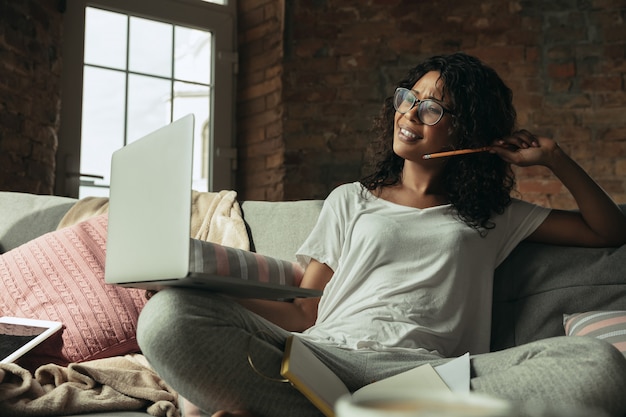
x=412 y=139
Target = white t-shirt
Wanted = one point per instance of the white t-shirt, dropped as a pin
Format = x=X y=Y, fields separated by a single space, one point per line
x=407 y=277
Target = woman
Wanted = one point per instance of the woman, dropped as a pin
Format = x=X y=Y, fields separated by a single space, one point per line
x=406 y=260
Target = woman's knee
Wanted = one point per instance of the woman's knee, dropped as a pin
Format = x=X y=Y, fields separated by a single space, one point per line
x=594 y=354
x=604 y=370
x=171 y=317
x=594 y=350
x=176 y=317
x=159 y=319
x=609 y=358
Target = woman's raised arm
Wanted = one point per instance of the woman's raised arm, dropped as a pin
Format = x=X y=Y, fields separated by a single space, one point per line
x=599 y=222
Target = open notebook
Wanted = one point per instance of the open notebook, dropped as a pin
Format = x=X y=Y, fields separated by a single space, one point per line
x=148 y=242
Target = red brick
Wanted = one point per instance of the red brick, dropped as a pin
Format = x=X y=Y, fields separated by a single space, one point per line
x=560 y=86
x=562 y=70
x=614 y=33
x=620 y=168
x=611 y=99
x=603 y=116
x=602 y=83
x=617 y=133
x=276 y=160
x=543 y=186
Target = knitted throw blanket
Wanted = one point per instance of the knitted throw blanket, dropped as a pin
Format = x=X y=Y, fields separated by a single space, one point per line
x=111 y=384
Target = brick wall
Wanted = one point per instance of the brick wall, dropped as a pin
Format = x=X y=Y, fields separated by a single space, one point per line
x=259 y=115
x=313 y=74
x=30 y=71
x=565 y=61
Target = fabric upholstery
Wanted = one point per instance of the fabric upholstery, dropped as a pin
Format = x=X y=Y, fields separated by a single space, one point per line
x=278 y=229
x=539 y=283
x=24 y=217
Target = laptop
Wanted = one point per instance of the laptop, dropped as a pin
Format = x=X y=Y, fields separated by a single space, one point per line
x=148 y=239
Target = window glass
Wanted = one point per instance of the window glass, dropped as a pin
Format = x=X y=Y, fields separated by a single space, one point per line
x=103 y=119
x=192 y=55
x=150 y=47
x=194 y=98
x=105 y=38
x=149 y=105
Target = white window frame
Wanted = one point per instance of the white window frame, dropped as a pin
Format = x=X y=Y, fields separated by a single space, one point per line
x=219 y=19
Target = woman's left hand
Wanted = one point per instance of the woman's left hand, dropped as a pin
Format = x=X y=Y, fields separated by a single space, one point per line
x=523 y=148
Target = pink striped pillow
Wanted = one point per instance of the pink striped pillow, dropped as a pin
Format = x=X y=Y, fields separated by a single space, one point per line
x=60 y=276
x=606 y=325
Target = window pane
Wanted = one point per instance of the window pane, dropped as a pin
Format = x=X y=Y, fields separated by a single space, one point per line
x=192 y=55
x=91 y=191
x=166 y=74
x=103 y=120
x=191 y=98
x=150 y=47
x=148 y=105
x=105 y=38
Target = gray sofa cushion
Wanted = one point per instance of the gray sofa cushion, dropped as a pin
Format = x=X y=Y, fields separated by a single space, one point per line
x=278 y=229
x=539 y=283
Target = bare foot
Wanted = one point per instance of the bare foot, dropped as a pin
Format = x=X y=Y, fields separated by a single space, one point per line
x=236 y=413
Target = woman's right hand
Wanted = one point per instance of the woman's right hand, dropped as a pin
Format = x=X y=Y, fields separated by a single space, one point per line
x=523 y=148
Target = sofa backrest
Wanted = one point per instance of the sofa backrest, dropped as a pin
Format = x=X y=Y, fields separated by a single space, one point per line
x=533 y=287
x=27 y=216
x=278 y=228
x=537 y=284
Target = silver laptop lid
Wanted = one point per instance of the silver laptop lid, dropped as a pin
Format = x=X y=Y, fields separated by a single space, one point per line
x=150 y=206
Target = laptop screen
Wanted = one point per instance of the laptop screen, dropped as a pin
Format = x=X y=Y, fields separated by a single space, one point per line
x=150 y=206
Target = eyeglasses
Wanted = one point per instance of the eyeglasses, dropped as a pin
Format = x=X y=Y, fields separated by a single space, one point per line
x=429 y=111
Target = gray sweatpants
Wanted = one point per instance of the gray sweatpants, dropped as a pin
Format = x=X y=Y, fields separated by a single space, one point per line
x=201 y=344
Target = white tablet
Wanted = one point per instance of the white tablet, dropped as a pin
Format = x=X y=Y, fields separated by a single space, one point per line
x=19 y=335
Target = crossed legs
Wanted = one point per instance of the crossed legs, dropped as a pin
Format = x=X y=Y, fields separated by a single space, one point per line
x=201 y=345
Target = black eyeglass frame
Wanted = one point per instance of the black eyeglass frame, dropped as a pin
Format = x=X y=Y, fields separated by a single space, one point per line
x=419 y=102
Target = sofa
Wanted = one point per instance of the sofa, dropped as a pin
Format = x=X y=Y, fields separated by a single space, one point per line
x=534 y=289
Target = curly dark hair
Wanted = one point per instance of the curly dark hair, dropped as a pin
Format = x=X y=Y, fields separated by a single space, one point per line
x=478 y=185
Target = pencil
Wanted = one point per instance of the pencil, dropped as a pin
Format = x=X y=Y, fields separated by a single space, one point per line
x=457 y=152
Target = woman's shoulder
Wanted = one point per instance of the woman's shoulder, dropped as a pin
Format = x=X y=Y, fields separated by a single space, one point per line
x=347 y=190
x=519 y=205
x=346 y=196
x=521 y=211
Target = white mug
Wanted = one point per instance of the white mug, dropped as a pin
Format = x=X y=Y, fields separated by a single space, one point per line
x=404 y=403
